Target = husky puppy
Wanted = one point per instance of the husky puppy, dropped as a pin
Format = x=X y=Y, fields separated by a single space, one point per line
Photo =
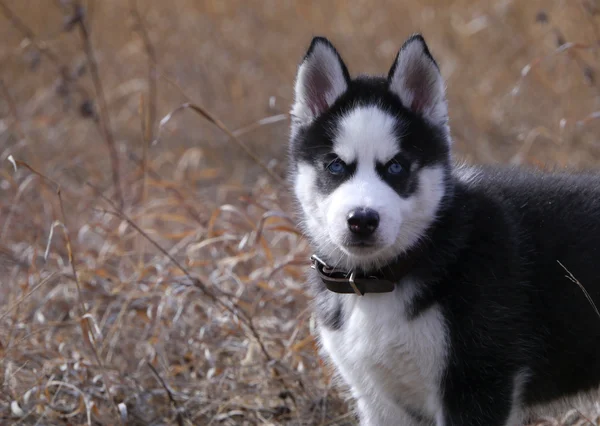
x=444 y=295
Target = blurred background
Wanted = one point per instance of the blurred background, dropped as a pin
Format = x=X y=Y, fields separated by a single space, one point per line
x=163 y=283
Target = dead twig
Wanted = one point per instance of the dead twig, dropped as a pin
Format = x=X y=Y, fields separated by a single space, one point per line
x=12 y=107
x=42 y=48
x=25 y=296
x=176 y=407
x=16 y=21
x=147 y=109
x=176 y=192
x=79 y=18
x=144 y=167
x=85 y=317
x=576 y=281
x=197 y=282
x=566 y=47
x=150 y=127
x=203 y=112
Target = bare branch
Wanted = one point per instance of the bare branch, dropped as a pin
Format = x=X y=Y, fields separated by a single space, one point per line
x=178 y=411
x=79 y=19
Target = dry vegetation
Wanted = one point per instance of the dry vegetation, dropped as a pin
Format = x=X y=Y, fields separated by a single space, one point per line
x=163 y=283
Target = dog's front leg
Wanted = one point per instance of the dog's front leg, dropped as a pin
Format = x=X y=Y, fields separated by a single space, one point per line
x=374 y=412
x=494 y=402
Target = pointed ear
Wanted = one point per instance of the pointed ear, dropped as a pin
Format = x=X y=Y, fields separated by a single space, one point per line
x=322 y=77
x=416 y=79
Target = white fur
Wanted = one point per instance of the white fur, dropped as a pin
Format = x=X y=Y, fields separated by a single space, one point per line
x=516 y=414
x=374 y=412
x=467 y=174
x=402 y=221
x=418 y=83
x=380 y=354
x=324 y=62
x=585 y=402
x=365 y=135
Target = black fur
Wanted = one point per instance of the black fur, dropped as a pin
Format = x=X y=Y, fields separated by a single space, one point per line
x=314 y=143
x=491 y=263
x=507 y=300
x=415 y=38
x=322 y=40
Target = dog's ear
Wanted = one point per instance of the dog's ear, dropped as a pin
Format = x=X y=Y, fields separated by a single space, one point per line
x=322 y=77
x=416 y=79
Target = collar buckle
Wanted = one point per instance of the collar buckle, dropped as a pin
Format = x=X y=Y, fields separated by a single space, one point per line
x=353 y=284
x=326 y=273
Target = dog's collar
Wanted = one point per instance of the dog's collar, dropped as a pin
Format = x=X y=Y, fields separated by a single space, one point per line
x=340 y=281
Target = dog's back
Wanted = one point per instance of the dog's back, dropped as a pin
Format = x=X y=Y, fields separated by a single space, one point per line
x=557 y=217
x=551 y=221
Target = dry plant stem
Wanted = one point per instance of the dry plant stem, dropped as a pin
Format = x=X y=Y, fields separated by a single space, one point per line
x=152 y=74
x=198 y=283
x=62 y=210
x=149 y=126
x=169 y=394
x=144 y=167
x=84 y=322
x=12 y=107
x=576 y=281
x=15 y=344
x=104 y=114
x=25 y=296
x=147 y=109
x=272 y=119
x=212 y=119
x=203 y=112
x=41 y=47
x=13 y=110
x=566 y=47
x=587 y=419
x=16 y=21
x=180 y=197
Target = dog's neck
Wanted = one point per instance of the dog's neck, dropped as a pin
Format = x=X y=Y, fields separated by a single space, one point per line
x=382 y=280
x=449 y=231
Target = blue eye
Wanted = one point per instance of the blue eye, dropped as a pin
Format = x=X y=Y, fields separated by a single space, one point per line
x=395 y=168
x=337 y=167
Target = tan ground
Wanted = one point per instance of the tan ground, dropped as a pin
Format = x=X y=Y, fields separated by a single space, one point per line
x=119 y=331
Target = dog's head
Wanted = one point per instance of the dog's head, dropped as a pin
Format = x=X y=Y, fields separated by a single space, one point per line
x=370 y=155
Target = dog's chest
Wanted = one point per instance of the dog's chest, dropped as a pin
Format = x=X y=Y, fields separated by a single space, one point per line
x=383 y=354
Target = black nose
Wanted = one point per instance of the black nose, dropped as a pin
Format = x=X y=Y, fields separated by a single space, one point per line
x=362 y=221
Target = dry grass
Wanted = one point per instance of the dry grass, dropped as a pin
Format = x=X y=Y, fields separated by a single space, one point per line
x=163 y=283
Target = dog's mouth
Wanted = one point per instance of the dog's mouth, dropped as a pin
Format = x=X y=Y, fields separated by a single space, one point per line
x=361 y=244
x=361 y=248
